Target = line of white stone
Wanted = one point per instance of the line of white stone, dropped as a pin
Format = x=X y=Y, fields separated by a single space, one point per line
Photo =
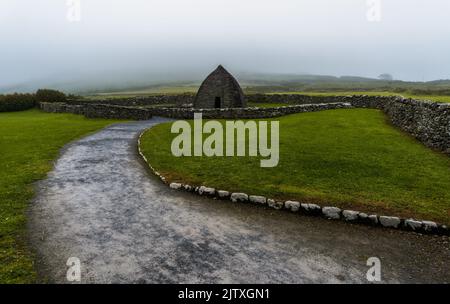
x=332 y=213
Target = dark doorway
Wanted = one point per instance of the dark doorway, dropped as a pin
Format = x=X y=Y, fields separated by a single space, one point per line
x=217 y=103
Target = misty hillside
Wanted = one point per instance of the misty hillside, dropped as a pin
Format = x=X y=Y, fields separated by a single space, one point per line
x=283 y=83
x=251 y=82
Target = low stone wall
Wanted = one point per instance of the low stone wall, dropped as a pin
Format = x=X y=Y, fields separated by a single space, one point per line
x=293 y=98
x=98 y=111
x=59 y=107
x=179 y=99
x=136 y=113
x=429 y=122
x=245 y=113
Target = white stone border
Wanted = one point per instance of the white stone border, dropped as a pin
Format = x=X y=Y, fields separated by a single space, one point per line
x=331 y=213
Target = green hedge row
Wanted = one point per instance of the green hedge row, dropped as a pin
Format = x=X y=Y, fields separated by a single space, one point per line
x=20 y=102
x=17 y=102
x=45 y=95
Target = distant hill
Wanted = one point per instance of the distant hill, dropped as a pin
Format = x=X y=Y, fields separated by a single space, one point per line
x=279 y=83
x=251 y=82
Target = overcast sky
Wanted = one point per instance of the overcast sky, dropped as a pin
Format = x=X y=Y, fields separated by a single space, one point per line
x=183 y=37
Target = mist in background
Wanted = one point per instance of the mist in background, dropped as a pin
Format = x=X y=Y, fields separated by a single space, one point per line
x=142 y=42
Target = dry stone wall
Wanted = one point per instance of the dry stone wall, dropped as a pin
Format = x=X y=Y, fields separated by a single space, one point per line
x=429 y=122
x=126 y=112
x=292 y=98
x=98 y=111
x=179 y=99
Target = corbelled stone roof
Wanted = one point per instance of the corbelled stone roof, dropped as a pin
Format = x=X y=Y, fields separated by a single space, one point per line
x=220 y=89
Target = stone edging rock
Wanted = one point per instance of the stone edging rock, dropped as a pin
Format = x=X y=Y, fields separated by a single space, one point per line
x=328 y=212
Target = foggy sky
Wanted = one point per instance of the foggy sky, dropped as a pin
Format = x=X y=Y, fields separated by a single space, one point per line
x=151 y=40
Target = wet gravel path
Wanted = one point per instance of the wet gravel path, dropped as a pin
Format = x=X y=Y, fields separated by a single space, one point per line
x=101 y=205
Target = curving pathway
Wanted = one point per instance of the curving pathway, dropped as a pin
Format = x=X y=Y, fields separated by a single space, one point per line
x=101 y=204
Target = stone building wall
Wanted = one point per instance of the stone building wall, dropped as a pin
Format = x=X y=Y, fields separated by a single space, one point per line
x=220 y=90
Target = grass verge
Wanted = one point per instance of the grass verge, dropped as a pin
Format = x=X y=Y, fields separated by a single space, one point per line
x=349 y=158
x=29 y=141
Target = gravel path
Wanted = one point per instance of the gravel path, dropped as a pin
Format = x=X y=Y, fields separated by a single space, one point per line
x=101 y=205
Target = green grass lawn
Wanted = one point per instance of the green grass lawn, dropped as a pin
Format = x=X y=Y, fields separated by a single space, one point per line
x=350 y=158
x=29 y=141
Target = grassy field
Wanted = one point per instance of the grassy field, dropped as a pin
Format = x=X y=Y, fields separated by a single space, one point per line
x=437 y=98
x=349 y=158
x=29 y=141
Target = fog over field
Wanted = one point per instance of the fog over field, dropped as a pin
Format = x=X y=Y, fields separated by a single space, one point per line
x=118 y=43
